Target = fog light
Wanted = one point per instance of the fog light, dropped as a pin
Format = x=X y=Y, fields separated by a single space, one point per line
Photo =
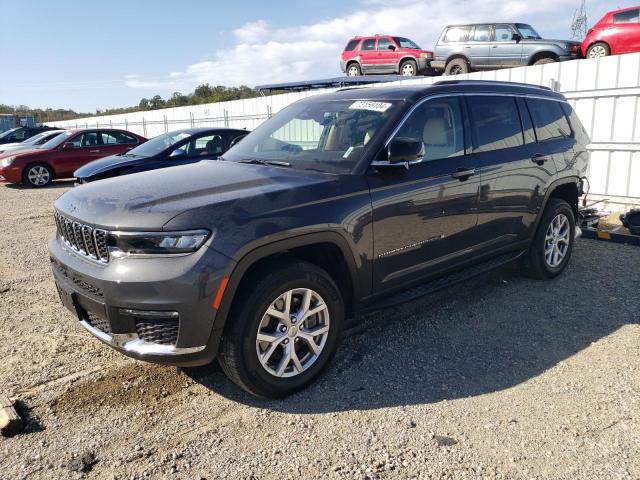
x=147 y=313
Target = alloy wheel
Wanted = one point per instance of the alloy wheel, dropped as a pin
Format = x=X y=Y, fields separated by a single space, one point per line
x=38 y=175
x=292 y=332
x=556 y=240
x=353 y=71
x=407 y=70
x=597 y=51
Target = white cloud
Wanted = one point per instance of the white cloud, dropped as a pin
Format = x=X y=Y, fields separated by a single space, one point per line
x=263 y=54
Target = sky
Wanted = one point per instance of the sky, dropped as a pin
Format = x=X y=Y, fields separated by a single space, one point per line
x=89 y=55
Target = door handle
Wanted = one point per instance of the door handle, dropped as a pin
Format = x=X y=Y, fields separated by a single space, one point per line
x=539 y=158
x=94 y=151
x=463 y=174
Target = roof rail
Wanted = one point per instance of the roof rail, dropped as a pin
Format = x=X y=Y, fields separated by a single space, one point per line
x=485 y=82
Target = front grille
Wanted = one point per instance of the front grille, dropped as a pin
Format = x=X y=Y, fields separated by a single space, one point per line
x=163 y=332
x=83 y=239
x=83 y=285
x=96 y=321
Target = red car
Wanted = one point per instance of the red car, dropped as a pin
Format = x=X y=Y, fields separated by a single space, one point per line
x=64 y=154
x=384 y=54
x=617 y=32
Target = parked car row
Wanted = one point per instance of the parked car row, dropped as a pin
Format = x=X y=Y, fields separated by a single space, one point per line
x=262 y=258
x=93 y=154
x=488 y=46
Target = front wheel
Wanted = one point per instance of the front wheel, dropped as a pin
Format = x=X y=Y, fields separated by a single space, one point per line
x=551 y=249
x=409 y=68
x=284 y=333
x=544 y=61
x=37 y=175
x=457 y=66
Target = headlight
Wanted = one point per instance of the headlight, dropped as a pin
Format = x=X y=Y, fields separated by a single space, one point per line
x=122 y=244
x=426 y=55
x=5 y=162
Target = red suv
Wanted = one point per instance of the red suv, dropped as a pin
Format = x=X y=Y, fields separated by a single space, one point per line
x=64 y=154
x=384 y=54
x=617 y=32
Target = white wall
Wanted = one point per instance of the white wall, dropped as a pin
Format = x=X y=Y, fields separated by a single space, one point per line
x=604 y=92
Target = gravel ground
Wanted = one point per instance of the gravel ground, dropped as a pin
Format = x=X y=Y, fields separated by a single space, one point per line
x=499 y=377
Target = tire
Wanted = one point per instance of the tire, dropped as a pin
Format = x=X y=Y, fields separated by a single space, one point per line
x=353 y=70
x=598 y=49
x=544 y=61
x=408 y=68
x=240 y=348
x=37 y=175
x=536 y=263
x=457 y=66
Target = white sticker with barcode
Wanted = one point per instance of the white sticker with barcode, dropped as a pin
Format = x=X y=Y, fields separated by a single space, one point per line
x=369 y=105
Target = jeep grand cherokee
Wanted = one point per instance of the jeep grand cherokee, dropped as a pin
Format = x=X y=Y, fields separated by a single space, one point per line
x=340 y=203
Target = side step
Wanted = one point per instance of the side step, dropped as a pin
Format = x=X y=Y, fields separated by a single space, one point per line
x=439 y=283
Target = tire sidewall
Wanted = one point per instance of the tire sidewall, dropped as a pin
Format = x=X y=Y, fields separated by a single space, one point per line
x=25 y=175
x=413 y=64
x=459 y=62
x=266 y=383
x=551 y=213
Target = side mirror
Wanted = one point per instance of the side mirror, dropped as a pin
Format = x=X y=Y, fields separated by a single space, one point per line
x=405 y=150
x=391 y=47
x=67 y=146
x=517 y=37
x=177 y=152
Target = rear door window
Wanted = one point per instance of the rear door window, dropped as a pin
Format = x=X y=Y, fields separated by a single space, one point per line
x=369 y=44
x=495 y=123
x=482 y=33
x=549 y=119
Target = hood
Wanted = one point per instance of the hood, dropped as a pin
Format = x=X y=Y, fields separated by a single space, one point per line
x=550 y=41
x=107 y=163
x=19 y=152
x=148 y=200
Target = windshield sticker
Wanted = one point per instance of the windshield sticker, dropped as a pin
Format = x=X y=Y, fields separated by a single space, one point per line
x=368 y=105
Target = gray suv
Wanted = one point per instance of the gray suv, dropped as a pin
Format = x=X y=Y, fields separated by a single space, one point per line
x=488 y=46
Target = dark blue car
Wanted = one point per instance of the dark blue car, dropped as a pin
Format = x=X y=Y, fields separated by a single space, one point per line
x=174 y=148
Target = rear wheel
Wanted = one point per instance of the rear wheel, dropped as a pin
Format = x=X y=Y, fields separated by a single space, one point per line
x=37 y=175
x=408 y=68
x=597 y=50
x=283 y=335
x=353 y=70
x=457 y=66
x=551 y=249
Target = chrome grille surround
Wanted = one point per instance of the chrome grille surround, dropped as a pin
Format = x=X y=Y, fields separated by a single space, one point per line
x=83 y=239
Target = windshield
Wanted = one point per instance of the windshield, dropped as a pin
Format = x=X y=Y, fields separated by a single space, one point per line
x=55 y=141
x=158 y=144
x=406 y=43
x=527 y=31
x=329 y=136
x=8 y=132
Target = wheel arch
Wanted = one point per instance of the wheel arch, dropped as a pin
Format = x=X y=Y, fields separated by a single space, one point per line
x=542 y=54
x=456 y=56
x=324 y=249
x=351 y=62
x=592 y=43
x=565 y=189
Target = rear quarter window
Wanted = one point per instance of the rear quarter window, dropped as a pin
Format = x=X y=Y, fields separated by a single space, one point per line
x=582 y=137
x=548 y=119
x=351 y=45
x=456 y=34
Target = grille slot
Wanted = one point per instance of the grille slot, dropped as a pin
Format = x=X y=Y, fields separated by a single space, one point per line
x=98 y=322
x=88 y=241
x=163 y=332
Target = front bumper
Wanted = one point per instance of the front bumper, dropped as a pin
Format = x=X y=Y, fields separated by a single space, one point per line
x=10 y=174
x=424 y=65
x=438 y=65
x=153 y=309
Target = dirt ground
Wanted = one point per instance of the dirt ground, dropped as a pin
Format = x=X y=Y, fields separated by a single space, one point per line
x=499 y=377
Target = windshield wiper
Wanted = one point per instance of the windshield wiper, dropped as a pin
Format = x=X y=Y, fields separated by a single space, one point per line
x=276 y=163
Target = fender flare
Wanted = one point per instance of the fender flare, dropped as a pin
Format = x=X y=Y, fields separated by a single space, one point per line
x=552 y=186
x=240 y=268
